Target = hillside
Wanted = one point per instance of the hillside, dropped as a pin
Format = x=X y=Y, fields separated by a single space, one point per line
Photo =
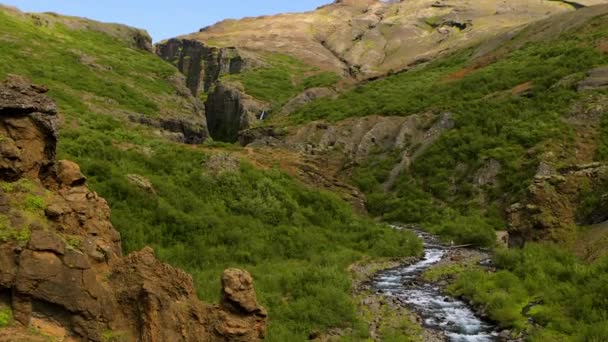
x=253 y=68
x=505 y=135
x=204 y=208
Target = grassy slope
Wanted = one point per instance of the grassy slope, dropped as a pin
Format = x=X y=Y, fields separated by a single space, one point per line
x=297 y=242
x=281 y=78
x=492 y=122
x=567 y=297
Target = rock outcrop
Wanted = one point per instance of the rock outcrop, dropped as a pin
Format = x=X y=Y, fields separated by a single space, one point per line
x=62 y=273
x=555 y=203
x=201 y=64
x=305 y=97
x=331 y=151
x=230 y=110
x=596 y=79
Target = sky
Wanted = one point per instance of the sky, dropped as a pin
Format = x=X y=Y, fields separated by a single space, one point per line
x=165 y=18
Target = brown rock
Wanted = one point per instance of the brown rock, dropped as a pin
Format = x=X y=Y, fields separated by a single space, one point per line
x=8 y=265
x=68 y=173
x=238 y=293
x=28 y=131
x=41 y=240
x=141 y=182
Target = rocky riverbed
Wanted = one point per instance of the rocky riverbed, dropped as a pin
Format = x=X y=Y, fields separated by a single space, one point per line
x=451 y=318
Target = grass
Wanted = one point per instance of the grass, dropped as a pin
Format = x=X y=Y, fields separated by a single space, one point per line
x=565 y=298
x=86 y=70
x=282 y=78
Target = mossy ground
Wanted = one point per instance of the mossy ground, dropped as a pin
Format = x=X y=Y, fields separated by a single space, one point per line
x=27 y=202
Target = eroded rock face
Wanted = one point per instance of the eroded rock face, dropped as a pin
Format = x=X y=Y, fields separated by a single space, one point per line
x=596 y=79
x=305 y=97
x=230 y=110
x=554 y=201
x=28 y=130
x=201 y=64
x=67 y=279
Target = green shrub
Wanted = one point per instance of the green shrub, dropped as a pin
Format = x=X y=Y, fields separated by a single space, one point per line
x=470 y=229
x=282 y=78
x=565 y=298
x=34 y=203
x=6 y=317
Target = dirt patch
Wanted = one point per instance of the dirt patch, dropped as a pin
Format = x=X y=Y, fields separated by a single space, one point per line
x=522 y=89
x=602 y=45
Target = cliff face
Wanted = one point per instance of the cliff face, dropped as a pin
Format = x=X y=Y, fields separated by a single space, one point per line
x=62 y=273
x=201 y=64
x=228 y=108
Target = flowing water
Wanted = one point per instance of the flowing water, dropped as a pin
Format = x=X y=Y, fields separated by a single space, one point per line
x=453 y=317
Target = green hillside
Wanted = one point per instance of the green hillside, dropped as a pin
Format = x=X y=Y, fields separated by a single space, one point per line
x=263 y=221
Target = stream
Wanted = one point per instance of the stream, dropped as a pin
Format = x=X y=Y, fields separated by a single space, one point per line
x=450 y=316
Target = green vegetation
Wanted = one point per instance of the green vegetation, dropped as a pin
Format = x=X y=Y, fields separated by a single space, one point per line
x=34 y=203
x=282 y=78
x=510 y=111
x=6 y=317
x=114 y=336
x=449 y=270
x=27 y=208
x=566 y=299
x=85 y=70
x=263 y=221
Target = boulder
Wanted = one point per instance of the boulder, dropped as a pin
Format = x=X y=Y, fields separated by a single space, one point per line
x=28 y=129
x=596 y=79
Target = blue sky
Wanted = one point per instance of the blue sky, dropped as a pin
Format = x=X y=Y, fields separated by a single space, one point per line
x=165 y=18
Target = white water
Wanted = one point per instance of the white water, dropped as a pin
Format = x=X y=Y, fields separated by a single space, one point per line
x=454 y=318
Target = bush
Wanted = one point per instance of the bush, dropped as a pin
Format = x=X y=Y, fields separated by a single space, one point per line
x=6 y=317
x=565 y=298
x=471 y=229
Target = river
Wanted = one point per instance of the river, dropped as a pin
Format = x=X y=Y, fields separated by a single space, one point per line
x=452 y=317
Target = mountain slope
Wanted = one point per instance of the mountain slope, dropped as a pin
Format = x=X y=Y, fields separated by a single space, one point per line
x=477 y=127
x=368 y=37
x=249 y=69
x=97 y=69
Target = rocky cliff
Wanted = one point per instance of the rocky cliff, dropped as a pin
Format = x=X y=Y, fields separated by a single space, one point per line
x=62 y=273
x=229 y=109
